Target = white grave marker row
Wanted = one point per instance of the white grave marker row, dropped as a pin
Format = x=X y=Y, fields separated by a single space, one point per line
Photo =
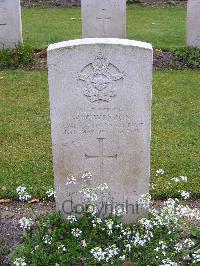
x=103 y=19
x=10 y=24
x=193 y=23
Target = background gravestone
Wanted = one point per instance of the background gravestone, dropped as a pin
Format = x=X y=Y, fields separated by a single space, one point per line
x=101 y=116
x=10 y=24
x=103 y=19
x=193 y=23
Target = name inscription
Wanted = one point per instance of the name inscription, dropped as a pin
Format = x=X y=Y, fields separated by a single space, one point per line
x=100 y=120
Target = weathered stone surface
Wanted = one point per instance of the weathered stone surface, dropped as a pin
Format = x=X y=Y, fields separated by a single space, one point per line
x=100 y=98
x=193 y=23
x=10 y=24
x=103 y=19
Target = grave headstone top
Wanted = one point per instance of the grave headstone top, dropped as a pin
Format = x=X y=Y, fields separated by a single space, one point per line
x=100 y=98
x=103 y=19
x=10 y=24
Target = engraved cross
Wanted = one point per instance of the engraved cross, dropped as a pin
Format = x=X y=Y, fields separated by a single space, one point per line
x=104 y=18
x=101 y=156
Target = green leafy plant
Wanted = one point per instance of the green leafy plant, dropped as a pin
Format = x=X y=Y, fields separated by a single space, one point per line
x=92 y=241
x=160 y=239
x=188 y=56
x=22 y=56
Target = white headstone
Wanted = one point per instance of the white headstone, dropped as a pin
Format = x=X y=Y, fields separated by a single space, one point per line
x=10 y=24
x=193 y=23
x=100 y=101
x=103 y=19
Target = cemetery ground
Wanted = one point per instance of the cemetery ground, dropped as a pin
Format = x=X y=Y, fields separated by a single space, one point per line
x=25 y=132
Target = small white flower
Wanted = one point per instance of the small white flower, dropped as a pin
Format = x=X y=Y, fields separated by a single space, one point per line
x=159 y=172
x=71 y=180
x=63 y=248
x=92 y=209
x=188 y=243
x=123 y=257
x=26 y=223
x=119 y=211
x=50 y=193
x=145 y=201
x=178 y=247
x=176 y=179
x=128 y=247
x=98 y=253
x=76 y=232
x=103 y=187
x=22 y=193
x=19 y=262
x=89 y=194
x=146 y=223
x=96 y=221
x=168 y=262
x=47 y=239
x=72 y=219
x=184 y=178
x=185 y=194
x=196 y=256
x=109 y=223
x=86 y=175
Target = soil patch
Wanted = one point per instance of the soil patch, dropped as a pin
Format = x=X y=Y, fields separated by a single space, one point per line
x=10 y=214
x=77 y=3
x=161 y=60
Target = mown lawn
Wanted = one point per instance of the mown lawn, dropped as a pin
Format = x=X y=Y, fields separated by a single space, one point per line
x=25 y=131
x=164 y=28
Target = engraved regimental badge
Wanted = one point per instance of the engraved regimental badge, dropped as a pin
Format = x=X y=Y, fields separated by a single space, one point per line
x=100 y=80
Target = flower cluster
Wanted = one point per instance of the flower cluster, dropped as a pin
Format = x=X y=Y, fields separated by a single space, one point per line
x=71 y=218
x=105 y=255
x=22 y=193
x=145 y=201
x=50 y=193
x=47 y=239
x=62 y=247
x=185 y=194
x=96 y=221
x=76 y=232
x=26 y=223
x=103 y=187
x=180 y=179
x=119 y=211
x=89 y=194
x=19 y=262
x=156 y=240
x=86 y=176
x=196 y=256
x=168 y=262
x=160 y=172
x=71 y=180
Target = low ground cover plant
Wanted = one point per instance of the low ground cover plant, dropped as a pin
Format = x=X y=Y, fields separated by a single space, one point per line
x=164 y=238
x=188 y=57
x=22 y=56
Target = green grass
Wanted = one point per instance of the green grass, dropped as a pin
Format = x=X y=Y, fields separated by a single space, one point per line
x=44 y=26
x=25 y=131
